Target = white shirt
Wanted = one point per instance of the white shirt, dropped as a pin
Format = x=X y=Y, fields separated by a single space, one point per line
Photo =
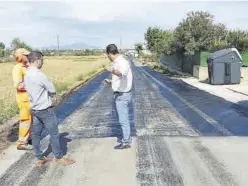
x=123 y=83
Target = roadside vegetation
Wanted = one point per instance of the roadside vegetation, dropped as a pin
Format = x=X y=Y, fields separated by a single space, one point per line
x=197 y=32
x=65 y=71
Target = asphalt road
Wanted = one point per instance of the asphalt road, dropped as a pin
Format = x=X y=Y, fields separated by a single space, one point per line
x=181 y=136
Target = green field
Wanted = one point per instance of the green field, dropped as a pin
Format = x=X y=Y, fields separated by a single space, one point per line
x=245 y=58
x=205 y=55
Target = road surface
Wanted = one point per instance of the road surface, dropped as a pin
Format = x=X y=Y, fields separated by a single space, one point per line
x=181 y=136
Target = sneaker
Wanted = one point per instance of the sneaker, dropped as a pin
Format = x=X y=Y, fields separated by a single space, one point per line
x=65 y=161
x=25 y=147
x=43 y=161
x=123 y=146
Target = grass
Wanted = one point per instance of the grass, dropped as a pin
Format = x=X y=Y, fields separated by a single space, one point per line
x=64 y=71
x=205 y=55
x=80 y=77
x=61 y=86
x=166 y=72
x=245 y=58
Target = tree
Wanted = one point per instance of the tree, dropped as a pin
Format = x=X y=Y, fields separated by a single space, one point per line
x=159 y=41
x=165 y=43
x=219 y=37
x=87 y=52
x=138 y=47
x=17 y=43
x=238 y=39
x=2 y=47
x=198 y=32
x=7 y=52
x=151 y=37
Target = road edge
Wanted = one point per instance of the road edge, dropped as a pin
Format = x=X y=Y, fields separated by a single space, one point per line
x=12 y=122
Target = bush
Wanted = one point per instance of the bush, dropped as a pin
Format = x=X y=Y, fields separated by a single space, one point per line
x=154 y=58
x=7 y=59
x=80 y=77
x=61 y=87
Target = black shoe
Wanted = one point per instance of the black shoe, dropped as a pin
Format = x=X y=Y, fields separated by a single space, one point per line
x=119 y=140
x=30 y=141
x=122 y=146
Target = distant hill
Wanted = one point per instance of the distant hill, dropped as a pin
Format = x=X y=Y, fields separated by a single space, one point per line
x=71 y=46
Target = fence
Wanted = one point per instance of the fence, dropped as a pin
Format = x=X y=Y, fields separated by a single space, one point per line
x=180 y=62
x=183 y=63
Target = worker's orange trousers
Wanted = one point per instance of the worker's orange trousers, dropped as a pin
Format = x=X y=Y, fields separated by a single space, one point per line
x=25 y=119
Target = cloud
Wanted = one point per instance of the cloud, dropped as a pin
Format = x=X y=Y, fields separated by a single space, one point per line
x=100 y=22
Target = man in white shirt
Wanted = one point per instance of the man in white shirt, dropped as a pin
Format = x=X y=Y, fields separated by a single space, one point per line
x=121 y=81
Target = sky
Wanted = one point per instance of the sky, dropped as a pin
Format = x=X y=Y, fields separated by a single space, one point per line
x=100 y=22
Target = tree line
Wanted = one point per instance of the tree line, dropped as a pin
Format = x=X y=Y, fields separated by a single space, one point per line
x=16 y=43
x=197 y=32
x=69 y=52
x=5 y=53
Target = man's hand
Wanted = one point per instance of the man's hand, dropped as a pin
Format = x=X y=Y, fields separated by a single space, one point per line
x=107 y=81
x=108 y=68
x=54 y=100
x=20 y=86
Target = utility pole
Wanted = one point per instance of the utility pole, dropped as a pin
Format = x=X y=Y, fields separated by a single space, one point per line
x=120 y=42
x=120 y=37
x=58 y=41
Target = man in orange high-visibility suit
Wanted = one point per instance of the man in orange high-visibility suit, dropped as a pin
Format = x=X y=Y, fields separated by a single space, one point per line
x=22 y=99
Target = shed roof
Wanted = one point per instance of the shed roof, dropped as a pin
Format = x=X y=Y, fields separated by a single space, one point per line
x=223 y=52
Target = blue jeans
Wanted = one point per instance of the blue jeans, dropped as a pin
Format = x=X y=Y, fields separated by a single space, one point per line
x=122 y=102
x=45 y=118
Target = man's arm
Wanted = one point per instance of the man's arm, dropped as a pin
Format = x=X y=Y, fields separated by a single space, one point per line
x=113 y=71
x=47 y=83
x=17 y=78
x=121 y=71
x=116 y=72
